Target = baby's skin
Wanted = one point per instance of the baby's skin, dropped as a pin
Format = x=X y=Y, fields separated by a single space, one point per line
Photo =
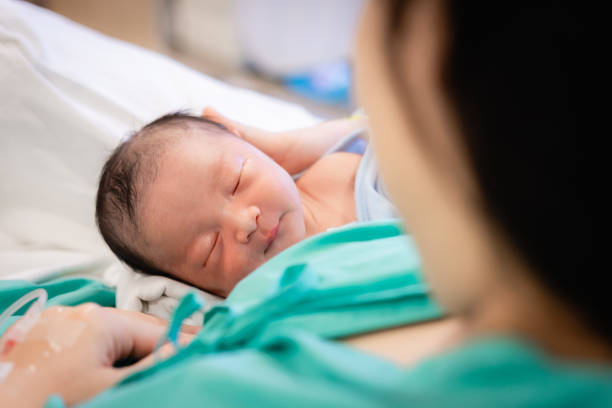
x=221 y=205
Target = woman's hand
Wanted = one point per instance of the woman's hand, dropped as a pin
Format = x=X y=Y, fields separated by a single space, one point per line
x=71 y=351
x=274 y=144
x=294 y=150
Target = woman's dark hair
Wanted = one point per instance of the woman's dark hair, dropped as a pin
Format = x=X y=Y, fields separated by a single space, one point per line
x=510 y=72
x=130 y=167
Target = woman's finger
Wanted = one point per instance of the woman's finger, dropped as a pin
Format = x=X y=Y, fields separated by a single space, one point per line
x=185 y=328
x=167 y=350
x=136 y=334
x=131 y=314
x=163 y=353
x=234 y=127
x=189 y=329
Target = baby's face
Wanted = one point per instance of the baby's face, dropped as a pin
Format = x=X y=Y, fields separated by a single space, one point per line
x=217 y=209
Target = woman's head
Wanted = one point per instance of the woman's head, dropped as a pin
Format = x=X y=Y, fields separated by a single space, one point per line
x=186 y=198
x=474 y=110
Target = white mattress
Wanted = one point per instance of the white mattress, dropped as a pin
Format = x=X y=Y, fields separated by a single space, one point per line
x=68 y=95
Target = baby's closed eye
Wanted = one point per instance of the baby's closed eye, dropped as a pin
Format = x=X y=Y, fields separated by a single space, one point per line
x=212 y=248
x=239 y=178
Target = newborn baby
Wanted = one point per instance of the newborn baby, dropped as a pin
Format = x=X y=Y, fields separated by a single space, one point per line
x=206 y=200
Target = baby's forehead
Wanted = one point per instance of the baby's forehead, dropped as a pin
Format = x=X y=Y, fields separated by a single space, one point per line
x=200 y=147
x=180 y=140
x=193 y=148
x=186 y=131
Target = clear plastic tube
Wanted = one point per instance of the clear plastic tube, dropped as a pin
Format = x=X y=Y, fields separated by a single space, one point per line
x=17 y=331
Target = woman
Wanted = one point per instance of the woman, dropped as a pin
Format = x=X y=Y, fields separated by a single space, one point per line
x=476 y=128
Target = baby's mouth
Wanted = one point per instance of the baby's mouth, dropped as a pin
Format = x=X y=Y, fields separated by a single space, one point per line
x=271 y=237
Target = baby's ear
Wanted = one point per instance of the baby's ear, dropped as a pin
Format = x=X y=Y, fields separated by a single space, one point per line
x=211 y=114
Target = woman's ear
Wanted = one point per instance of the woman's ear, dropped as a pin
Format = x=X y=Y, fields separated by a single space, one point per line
x=211 y=114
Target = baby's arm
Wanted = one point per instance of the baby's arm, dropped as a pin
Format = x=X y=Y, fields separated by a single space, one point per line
x=295 y=150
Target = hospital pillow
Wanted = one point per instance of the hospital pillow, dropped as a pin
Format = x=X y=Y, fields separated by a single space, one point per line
x=69 y=94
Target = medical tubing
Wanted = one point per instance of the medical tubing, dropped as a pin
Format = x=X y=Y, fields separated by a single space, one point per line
x=39 y=304
x=16 y=332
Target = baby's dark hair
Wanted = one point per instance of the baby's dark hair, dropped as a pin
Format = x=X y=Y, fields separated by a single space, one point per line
x=131 y=167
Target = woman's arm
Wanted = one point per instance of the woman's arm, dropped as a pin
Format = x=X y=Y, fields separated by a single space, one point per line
x=295 y=150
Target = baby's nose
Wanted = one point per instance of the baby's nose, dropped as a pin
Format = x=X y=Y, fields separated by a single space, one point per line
x=247 y=224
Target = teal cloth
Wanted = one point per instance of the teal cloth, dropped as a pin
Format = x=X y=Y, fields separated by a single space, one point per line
x=252 y=353
x=344 y=282
x=302 y=370
x=266 y=345
x=347 y=281
x=350 y=280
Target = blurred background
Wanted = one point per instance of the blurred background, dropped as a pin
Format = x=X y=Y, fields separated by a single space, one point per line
x=296 y=50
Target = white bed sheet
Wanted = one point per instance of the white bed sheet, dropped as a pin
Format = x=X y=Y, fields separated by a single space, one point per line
x=68 y=95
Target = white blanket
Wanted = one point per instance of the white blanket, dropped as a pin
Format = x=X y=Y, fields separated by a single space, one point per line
x=68 y=95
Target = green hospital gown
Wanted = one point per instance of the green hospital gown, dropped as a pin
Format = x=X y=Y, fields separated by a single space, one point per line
x=303 y=370
x=270 y=343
